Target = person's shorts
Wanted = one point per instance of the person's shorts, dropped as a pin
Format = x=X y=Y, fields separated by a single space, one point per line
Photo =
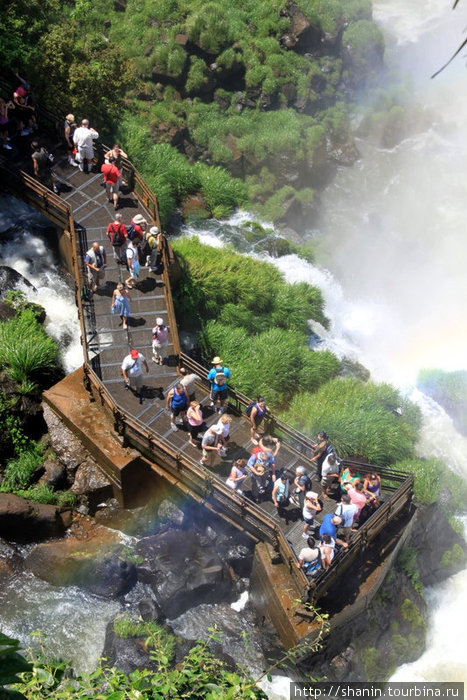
x=136 y=381
x=308 y=521
x=112 y=187
x=328 y=481
x=221 y=395
x=177 y=410
x=85 y=152
x=160 y=350
x=345 y=532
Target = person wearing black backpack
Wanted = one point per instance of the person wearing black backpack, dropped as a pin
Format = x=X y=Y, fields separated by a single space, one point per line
x=42 y=163
x=116 y=233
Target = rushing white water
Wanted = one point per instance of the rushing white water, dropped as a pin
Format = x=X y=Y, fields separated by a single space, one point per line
x=30 y=253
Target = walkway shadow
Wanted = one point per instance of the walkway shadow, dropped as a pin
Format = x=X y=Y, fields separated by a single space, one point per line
x=152 y=392
x=127 y=202
x=135 y=322
x=145 y=286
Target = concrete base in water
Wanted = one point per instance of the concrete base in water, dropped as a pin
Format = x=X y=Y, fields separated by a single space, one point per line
x=133 y=477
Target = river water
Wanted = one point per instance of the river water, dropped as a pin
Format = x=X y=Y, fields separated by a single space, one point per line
x=392 y=234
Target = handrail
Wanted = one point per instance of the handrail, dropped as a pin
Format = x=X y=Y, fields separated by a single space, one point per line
x=202 y=481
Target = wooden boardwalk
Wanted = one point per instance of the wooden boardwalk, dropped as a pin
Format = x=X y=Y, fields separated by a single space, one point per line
x=82 y=213
x=108 y=344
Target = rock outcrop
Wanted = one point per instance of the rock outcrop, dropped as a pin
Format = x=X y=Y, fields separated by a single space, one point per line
x=183 y=570
x=26 y=521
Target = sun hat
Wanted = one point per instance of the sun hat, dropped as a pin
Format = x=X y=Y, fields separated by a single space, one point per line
x=154 y=230
x=134 y=354
x=159 y=321
x=21 y=91
x=311 y=494
x=217 y=360
x=139 y=219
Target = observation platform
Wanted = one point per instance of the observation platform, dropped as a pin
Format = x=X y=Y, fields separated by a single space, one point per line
x=82 y=212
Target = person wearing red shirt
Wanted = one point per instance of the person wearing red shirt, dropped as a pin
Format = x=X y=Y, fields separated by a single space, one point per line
x=112 y=179
x=116 y=233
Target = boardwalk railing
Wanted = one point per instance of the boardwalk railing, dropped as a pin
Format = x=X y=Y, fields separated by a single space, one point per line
x=200 y=482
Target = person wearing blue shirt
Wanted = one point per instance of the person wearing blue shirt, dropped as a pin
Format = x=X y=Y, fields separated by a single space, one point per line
x=329 y=527
x=218 y=377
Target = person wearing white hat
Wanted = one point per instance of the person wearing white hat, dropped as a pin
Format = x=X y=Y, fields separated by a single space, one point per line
x=152 y=246
x=160 y=342
x=218 y=377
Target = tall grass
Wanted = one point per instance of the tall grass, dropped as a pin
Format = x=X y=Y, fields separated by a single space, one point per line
x=27 y=354
x=361 y=419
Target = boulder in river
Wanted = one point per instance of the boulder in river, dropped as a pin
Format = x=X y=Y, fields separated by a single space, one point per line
x=181 y=572
x=27 y=521
x=11 y=279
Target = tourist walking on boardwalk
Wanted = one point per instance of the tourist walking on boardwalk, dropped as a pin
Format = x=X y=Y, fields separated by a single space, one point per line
x=237 y=475
x=152 y=248
x=218 y=377
x=7 y=124
x=95 y=260
x=322 y=449
x=43 y=166
x=280 y=493
x=132 y=370
x=138 y=227
x=188 y=380
x=121 y=304
x=160 y=342
x=195 y=420
x=259 y=466
x=112 y=178
x=69 y=127
x=116 y=233
x=224 y=424
x=310 y=508
x=133 y=265
x=82 y=138
x=210 y=444
x=25 y=114
x=177 y=402
x=117 y=154
x=302 y=483
x=256 y=415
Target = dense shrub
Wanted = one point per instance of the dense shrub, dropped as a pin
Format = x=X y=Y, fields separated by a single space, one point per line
x=27 y=354
x=219 y=282
x=361 y=419
x=19 y=471
x=434 y=481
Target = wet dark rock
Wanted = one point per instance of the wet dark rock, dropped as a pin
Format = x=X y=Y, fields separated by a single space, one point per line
x=432 y=538
x=126 y=654
x=10 y=279
x=92 y=557
x=25 y=521
x=149 y=610
x=170 y=513
x=181 y=572
x=66 y=446
x=6 y=311
x=240 y=558
x=11 y=560
x=91 y=482
x=54 y=472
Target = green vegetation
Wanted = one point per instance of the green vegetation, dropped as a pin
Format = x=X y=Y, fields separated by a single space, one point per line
x=453 y=558
x=434 y=481
x=157 y=637
x=235 y=86
x=262 y=321
x=27 y=354
x=412 y=614
x=360 y=417
x=199 y=674
x=19 y=471
x=407 y=562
